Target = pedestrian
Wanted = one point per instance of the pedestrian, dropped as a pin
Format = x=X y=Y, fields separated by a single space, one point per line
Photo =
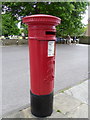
x=68 y=39
x=74 y=39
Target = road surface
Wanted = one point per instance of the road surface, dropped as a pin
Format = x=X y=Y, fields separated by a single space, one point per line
x=71 y=69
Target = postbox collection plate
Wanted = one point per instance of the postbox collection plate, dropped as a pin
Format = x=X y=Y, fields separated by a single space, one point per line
x=51 y=48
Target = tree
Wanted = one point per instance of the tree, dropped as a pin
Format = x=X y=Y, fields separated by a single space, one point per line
x=69 y=12
x=9 y=26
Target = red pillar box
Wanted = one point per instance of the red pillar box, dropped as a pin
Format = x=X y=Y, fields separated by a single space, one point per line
x=41 y=36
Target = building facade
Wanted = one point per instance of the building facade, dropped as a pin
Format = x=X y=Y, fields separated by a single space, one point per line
x=88 y=29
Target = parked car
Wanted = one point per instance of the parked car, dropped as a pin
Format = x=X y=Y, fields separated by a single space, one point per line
x=60 y=40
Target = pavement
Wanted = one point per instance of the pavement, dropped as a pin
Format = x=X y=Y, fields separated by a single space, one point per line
x=71 y=69
x=71 y=103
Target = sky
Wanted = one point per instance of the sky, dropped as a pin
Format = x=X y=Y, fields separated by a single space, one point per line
x=85 y=17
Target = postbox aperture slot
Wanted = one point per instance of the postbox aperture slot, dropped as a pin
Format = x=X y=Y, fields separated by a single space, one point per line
x=50 y=33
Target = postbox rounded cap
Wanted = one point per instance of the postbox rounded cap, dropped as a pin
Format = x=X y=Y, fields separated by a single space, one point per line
x=42 y=19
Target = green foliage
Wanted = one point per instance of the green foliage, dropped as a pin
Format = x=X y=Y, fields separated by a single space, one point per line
x=80 y=31
x=9 y=26
x=69 y=12
x=59 y=111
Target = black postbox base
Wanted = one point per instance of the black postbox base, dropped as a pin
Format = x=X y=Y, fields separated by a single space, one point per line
x=41 y=105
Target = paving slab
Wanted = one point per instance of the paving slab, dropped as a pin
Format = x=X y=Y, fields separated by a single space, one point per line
x=25 y=113
x=79 y=112
x=79 y=91
x=62 y=102
x=57 y=115
x=65 y=103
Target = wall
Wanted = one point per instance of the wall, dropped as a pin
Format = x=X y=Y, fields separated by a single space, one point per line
x=84 y=40
x=14 y=41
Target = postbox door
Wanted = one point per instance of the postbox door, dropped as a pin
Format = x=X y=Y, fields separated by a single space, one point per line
x=42 y=59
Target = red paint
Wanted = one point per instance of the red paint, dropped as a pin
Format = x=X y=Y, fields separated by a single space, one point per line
x=41 y=29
